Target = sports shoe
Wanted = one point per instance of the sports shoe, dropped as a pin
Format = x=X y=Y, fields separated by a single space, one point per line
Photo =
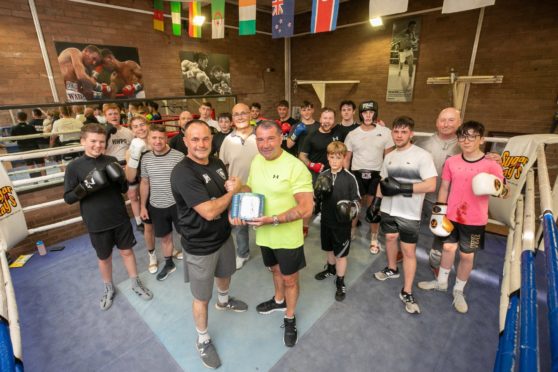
x=411 y=305
x=240 y=261
x=270 y=306
x=178 y=254
x=208 y=354
x=233 y=305
x=143 y=292
x=459 y=301
x=169 y=268
x=153 y=263
x=291 y=335
x=329 y=271
x=108 y=296
x=433 y=284
x=387 y=273
x=340 y=291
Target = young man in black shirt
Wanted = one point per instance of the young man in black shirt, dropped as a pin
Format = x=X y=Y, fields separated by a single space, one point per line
x=97 y=181
x=300 y=131
x=22 y=129
x=199 y=185
x=286 y=122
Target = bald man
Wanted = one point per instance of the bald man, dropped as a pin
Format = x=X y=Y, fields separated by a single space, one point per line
x=237 y=151
x=177 y=142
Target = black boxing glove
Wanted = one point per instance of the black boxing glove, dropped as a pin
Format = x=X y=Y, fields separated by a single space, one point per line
x=115 y=172
x=373 y=211
x=93 y=182
x=323 y=186
x=390 y=187
x=347 y=210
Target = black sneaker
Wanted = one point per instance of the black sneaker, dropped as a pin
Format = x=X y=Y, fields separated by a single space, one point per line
x=329 y=271
x=270 y=306
x=169 y=268
x=341 y=291
x=291 y=335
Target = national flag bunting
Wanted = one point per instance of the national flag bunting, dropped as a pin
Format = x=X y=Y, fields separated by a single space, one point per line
x=324 y=15
x=194 y=10
x=380 y=8
x=158 y=23
x=453 y=6
x=247 y=17
x=176 y=10
x=282 y=18
x=217 y=19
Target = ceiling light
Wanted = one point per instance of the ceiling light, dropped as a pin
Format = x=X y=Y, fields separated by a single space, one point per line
x=199 y=20
x=376 y=22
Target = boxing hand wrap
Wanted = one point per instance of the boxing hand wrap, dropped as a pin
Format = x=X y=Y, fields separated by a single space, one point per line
x=315 y=167
x=96 y=72
x=373 y=211
x=285 y=128
x=115 y=172
x=137 y=147
x=390 y=187
x=347 y=210
x=439 y=223
x=298 y=131
x=489 y=184
x=131 y=89
x=94 y=181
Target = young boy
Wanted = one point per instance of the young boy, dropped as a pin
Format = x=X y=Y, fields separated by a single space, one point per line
x=337 y=192
x=225 y=123
x=472 y=179
x=97 y=181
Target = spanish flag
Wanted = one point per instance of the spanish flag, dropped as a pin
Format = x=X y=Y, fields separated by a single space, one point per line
x=158 y=23
x=194 y=11
x=246 y=17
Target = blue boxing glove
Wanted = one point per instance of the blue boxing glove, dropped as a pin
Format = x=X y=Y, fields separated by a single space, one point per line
x=298 y=131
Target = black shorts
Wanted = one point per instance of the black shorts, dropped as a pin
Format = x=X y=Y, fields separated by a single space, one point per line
x=336 y=239
x=408 y=230
x=122 y=236
x=470 y=238
x=368 y=181
x=163 y=219
x=290 y=261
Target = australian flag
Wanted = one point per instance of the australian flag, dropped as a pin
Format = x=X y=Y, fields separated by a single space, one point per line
x=282 y=15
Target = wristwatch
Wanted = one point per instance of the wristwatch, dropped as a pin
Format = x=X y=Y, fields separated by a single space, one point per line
x=275 y=220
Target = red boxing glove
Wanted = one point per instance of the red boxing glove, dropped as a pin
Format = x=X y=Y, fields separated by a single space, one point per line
x=285 y=128
x=130 y=89
x=106 y=89
x=315 y=167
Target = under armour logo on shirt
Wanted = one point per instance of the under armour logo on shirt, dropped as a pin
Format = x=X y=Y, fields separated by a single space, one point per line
x=222 y=173
x=276 y=176
x=206 y=178
x=335 y=138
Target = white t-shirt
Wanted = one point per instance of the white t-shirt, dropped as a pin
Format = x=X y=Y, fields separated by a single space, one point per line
x=119 y=143
x=237 y=154
x=412 y=165
x=368 y=147
x=66 y=125
x=212 y=123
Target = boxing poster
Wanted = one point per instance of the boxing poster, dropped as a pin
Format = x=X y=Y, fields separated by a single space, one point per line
x=403 y=60
x=205 y=74
x=93 y=72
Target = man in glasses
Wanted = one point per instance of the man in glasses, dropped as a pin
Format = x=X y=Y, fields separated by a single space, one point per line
x=461 y=213
x=237 y=151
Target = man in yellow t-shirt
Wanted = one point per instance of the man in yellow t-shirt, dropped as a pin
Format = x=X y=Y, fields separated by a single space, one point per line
x=287 y=186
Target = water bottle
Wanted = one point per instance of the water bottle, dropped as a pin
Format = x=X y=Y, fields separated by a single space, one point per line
x=41 y=248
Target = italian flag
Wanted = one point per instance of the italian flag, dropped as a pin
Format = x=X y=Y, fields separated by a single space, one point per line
x=176 y=9
x=193 y=11
x=247 y=17
x=158 y=23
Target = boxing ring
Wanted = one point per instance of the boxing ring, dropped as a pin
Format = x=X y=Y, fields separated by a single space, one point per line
x=518 y=313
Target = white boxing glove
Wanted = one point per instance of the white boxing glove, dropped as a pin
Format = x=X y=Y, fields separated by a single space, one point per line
x=137 y=147
x=439 y=223
x=489 y=184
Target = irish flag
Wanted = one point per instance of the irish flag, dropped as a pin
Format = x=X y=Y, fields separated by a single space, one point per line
x=194 y=11
x=247 y=17
x=324 y=15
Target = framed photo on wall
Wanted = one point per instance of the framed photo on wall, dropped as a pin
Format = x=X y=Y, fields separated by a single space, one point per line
x=205 y=74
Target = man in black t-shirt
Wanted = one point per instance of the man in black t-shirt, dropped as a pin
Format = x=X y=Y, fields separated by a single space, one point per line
x=300 y=131
x=177 y=142
x=97 y=181
x=199 y=185
x=37 y=123
x=22 y=129
x=286 y=122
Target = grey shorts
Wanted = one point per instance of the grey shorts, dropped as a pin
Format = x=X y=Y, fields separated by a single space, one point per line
x=200 y=271
x=408 y=230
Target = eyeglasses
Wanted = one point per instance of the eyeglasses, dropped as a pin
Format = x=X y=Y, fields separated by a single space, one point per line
x=468 y=137
x=239 y=114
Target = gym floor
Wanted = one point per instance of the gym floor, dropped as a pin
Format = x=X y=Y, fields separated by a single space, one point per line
x=63 y=328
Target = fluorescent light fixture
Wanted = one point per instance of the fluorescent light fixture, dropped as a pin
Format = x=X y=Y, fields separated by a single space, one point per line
x=199 y=20
x=376 y=22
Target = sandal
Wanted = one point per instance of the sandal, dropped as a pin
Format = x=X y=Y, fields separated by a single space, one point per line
x=374 y=247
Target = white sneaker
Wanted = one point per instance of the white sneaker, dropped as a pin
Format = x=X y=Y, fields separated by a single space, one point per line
x=153 y=264
x=459 y=301
x=433 y=285
x=178 y=255
x=240 y=261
